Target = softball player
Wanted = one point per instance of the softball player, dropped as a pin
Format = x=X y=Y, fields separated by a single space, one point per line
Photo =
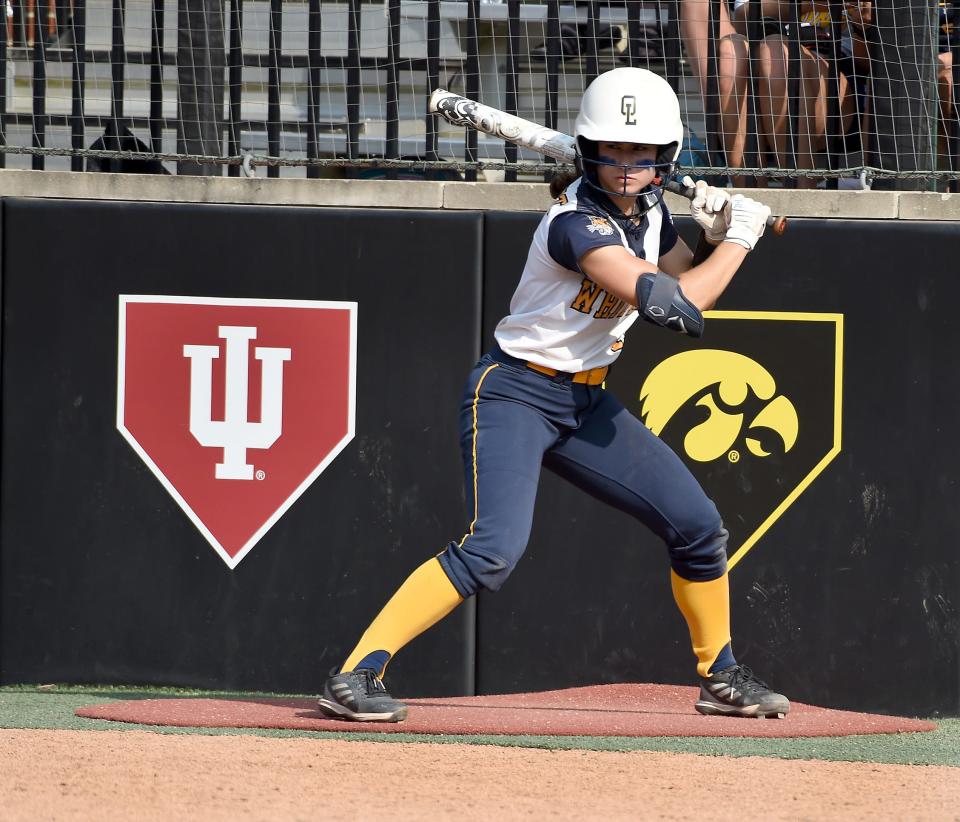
x=604 y=255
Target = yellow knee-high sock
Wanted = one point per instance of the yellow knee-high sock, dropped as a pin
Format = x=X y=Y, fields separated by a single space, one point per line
x=425 y=598
x=706 y=608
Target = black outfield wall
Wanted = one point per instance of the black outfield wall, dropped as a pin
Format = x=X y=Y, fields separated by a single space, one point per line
x=104 y=579
x=838 y=484
x=858 y=580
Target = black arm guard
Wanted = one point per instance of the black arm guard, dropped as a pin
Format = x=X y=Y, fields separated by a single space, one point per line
x=660 y=301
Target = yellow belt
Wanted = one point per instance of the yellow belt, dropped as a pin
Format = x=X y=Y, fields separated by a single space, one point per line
x=592 y=376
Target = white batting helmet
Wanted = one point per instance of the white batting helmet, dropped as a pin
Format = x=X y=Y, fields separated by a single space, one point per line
x=631 y=105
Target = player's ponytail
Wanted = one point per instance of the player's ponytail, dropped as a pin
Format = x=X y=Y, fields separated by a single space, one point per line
x=561 y=181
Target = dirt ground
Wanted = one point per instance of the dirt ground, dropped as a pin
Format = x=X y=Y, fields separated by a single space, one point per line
x=67 y=775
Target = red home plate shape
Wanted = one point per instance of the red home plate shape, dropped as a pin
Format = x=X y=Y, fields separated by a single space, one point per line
x=236 y=405
x=626 y=709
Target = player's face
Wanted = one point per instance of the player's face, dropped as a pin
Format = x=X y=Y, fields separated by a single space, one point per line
x=627 y=181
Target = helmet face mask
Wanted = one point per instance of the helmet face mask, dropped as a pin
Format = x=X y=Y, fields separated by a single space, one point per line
x=628 y=105
x=590 y=160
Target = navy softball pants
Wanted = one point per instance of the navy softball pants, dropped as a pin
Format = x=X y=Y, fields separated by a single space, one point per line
x=513 y=420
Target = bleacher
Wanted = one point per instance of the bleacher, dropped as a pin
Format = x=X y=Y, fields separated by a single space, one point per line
x=454 y=36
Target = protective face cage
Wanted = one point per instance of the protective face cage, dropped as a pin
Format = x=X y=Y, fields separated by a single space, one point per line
x=589 y=160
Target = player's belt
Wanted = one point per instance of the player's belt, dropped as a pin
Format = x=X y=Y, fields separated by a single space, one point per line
x=592 y=376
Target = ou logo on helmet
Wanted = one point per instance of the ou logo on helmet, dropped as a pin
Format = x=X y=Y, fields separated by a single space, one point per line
x=628 y=108
x=721 y=382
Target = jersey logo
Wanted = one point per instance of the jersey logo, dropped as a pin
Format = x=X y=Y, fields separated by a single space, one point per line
x=628 y=108
x=755 y=415
x=235 y=405
x=611 y=306
x=599 y=225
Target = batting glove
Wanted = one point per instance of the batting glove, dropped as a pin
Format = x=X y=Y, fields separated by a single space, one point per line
x=710 y=208
x=748 y=219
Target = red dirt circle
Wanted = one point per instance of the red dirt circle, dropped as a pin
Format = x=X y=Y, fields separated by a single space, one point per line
x=598 y=710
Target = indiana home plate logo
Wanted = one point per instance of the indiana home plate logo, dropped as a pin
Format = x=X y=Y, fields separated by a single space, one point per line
x=236 y=405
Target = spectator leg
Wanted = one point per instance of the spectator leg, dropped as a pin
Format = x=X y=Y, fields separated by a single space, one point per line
x=733 y=69
x=814 y=103
x=945 y=94
x=733 y=62
x=773 y=119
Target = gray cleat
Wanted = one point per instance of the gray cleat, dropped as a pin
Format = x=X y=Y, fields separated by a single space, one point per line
x=735 y=691
x=360 y=696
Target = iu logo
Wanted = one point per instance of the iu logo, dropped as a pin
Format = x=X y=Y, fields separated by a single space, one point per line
x=235 y=433
x=235 y=405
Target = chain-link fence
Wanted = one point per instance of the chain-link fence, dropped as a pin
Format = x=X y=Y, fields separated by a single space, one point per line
x=775 y=93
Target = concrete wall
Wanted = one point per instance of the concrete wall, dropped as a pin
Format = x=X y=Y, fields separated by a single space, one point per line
x=866 y=205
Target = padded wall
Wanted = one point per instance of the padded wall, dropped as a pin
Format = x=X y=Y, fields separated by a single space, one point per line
x=849 y=597
x=104 y=578
x=840 y=510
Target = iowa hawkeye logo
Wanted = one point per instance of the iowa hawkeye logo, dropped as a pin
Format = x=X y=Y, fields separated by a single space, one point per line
x=721 y=383
x=235 y=405
x=753 y=409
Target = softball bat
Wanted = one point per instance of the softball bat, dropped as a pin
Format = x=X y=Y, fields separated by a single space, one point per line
x=462 y=111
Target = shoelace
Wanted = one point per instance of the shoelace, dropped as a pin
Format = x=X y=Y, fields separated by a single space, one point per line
x=743 y=678
x=371 y=682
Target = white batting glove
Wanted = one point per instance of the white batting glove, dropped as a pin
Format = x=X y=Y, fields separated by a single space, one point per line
x=710 y=209
x=748 y=219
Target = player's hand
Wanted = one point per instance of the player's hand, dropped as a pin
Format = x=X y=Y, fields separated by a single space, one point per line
x=748 y=219
x=710 y=209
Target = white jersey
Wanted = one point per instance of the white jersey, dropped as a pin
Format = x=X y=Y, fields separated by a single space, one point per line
x=559 y=317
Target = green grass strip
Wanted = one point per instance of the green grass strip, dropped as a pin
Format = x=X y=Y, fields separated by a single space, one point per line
x=30 y=707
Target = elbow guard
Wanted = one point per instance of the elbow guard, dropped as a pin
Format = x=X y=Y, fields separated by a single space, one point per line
x=660 y=301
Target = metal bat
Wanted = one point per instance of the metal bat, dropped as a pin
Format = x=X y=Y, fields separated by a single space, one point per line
x=462 y=111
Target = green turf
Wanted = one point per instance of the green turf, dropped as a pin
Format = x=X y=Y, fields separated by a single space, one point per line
x=36 y=707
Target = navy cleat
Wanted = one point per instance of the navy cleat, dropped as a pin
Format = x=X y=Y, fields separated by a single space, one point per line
x=360 y=696
x=735 y=691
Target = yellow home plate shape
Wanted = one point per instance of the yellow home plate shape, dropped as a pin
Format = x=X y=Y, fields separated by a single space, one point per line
x=753 y=408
